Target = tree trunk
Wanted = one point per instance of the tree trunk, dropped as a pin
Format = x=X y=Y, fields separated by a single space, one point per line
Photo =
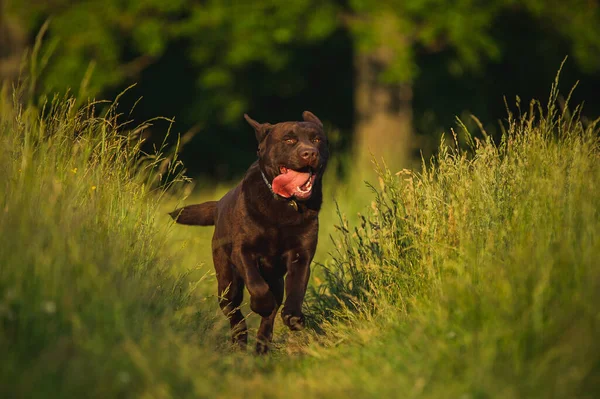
x=383 y=114
x=12 y=44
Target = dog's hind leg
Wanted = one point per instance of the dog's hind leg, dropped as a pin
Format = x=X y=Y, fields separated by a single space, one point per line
x=230 y=301
x=265 y=331
x=231 y=293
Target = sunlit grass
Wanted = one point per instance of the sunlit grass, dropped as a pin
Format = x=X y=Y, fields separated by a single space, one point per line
x=475 y=276
x=484 y=264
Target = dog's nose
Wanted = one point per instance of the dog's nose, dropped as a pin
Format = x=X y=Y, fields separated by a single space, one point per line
x=308 y=154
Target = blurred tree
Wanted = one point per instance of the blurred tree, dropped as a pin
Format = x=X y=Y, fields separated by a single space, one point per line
x=236 y=51
x=120 y=38
x=230 y=52
x=389 y=36
x=12 y=42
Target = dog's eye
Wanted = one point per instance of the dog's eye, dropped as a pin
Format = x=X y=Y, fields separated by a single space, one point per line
x=316 y=140
x=290 y=141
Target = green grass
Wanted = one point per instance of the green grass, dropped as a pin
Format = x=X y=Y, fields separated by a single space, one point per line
x=475 y=276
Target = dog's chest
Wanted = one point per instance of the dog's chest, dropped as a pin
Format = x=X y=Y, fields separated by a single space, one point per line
x=277 y=264
x=283 y=246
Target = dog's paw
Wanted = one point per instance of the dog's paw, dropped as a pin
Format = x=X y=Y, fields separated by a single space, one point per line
x=262 y=347
x=240 y=341
x=294 y=320
x=264 y=305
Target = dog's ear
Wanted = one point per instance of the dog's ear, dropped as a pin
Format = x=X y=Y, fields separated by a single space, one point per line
x=261 y=129
x=310 y=117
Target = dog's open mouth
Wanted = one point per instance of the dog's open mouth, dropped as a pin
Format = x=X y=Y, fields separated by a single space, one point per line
x=294 y=183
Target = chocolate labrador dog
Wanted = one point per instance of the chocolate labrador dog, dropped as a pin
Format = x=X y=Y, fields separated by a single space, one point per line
x=267 y=226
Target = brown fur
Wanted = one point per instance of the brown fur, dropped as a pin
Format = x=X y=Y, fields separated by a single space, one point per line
x=259 y=237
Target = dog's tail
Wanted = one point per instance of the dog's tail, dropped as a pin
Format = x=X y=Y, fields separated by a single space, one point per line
x=196 y=215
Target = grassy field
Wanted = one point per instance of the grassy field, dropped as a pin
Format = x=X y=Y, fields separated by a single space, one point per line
x=474 y=276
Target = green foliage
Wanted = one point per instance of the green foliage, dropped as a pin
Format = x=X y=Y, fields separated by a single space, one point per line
x=226 y=37
x=119 y=39
x=399 y=29
x=224 y=40
x=116 y=38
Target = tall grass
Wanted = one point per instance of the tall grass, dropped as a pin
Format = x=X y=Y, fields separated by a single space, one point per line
x=476 y=276
x=82 y=273
x=486 y=263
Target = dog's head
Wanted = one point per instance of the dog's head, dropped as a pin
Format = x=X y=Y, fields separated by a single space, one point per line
x=293 y=155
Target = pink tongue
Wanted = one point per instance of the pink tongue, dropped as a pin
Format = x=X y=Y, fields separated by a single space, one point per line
x=286 y=183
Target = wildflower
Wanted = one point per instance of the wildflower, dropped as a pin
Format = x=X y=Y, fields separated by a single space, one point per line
x=93 y=188
x=74 y=170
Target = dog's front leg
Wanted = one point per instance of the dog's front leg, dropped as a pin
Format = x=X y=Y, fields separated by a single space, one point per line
x=296 y=281
x=262 y=300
